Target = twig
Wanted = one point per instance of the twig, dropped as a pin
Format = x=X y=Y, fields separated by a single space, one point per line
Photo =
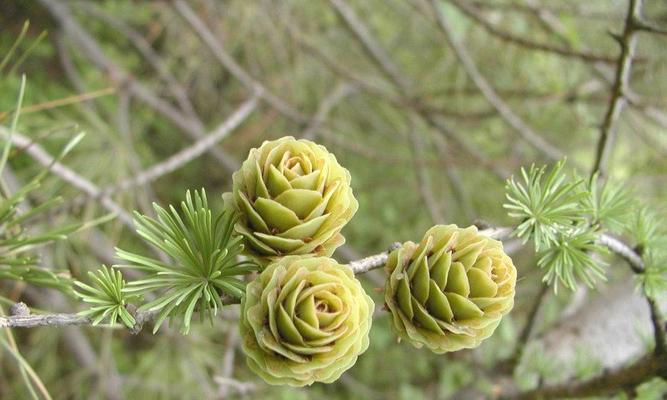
x=372 y=262
x=184 y=9
x=624 y=378
x=510 y=364
x=36 y=152
x=378 y=260
x=62 y=320
x=32 y=321
x=378 y=55
x=188 y=154
x=608 y=129
x=624 y=251
x=193 y=127
x=475 y=15
x=505 y=112
x=423 y=178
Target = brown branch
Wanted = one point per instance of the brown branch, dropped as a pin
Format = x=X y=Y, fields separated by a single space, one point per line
x=509 y=365
x=621 y=86
x=610 y=382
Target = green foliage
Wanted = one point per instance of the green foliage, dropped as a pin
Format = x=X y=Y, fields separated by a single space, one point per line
x=653 y=279
x=204 y=251
x=564 y=218
x=547 y=204
x=650 y=238
x=572 y=256
x=609 y=205
x=647 y=230
x=17 y=242
x=106 y=296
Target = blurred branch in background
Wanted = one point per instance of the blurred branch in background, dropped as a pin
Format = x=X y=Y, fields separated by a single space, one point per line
x=430 y=104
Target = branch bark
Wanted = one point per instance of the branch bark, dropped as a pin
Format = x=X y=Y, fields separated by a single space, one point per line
x=624 y=378
x=608 y=130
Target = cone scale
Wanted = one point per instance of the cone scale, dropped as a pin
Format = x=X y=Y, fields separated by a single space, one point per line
x=293 y=198
x=450 y=291
x=304 y=320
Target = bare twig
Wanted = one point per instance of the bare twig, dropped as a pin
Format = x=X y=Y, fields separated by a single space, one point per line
x=510 y=364
x=512 y=119
x=378 y=260
x=372 y=262
x=184 y=9
x=509 y=37
x=608 y=130
x=40 y=155
x=624 y=251
x=188 y=154
x=192 y=126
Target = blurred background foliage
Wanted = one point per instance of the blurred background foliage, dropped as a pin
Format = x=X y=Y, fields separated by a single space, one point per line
x=143 y=78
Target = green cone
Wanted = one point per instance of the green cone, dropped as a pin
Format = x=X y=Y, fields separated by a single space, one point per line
x=304 y=320
x=293 y=198
x=450 y=291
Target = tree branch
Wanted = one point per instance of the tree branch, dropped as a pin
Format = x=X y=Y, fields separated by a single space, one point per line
x=506 y=113
x=621 y=86
x=508 y=365
x=184 y=9
x=475 y=15
x=624 y=378
x=196 y=149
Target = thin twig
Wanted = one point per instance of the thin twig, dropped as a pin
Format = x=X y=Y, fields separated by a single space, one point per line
x=87 y=44
x=509 y=37
x=506 y=113
x=608 y=129
x=188 y=154
x=622 y=250
x=209 y=39
x=509 y=365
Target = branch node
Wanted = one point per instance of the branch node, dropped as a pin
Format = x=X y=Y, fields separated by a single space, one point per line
x=19 y=309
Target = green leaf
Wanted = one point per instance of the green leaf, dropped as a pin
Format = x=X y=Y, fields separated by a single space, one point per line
x=548 y=205
x=107 y=295
x=571 y=257
x=203 y=249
